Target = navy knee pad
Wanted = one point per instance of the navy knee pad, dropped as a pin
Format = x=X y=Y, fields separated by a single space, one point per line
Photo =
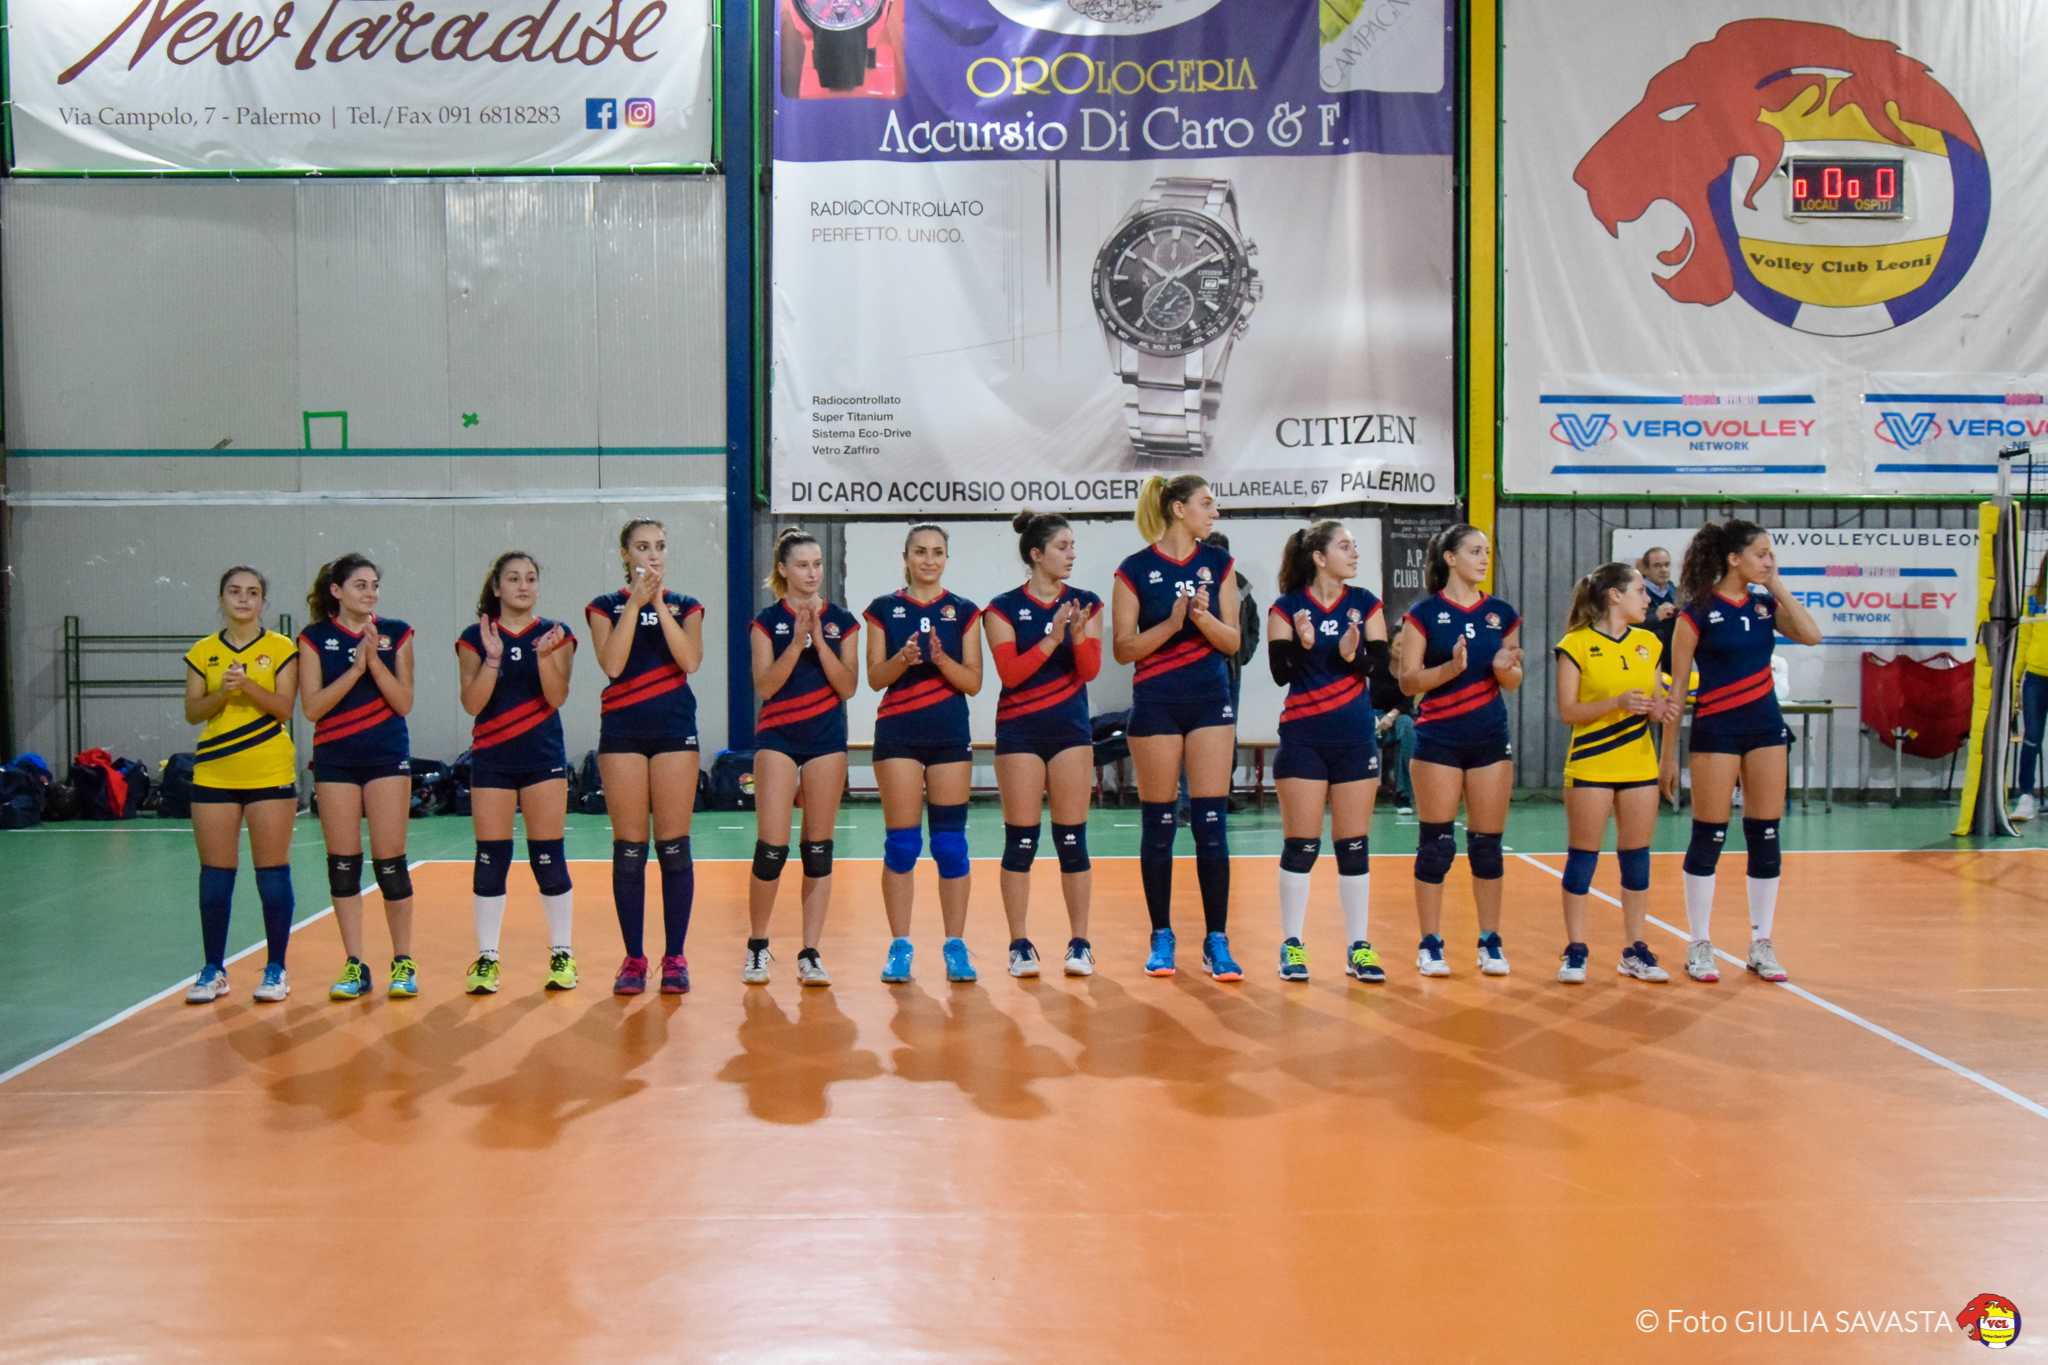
x=1435 y=851
x=900 y=848
x=344 y=874
x=394 y=880
x=493 y=863
x=1635 y=868
x=550 y=866
x=1156 y=827
x=1209 y=822
x=1354 y=856
x=1705 y=849
x=1761 y=837
x=949 y=840
x=768 y=860
x=1578 y=869
x=1483 y=852
x=628 y=857
x=1071 y=843
x=817 y=857
x=674 y=855
x=1020 y=846
x=1299 y=855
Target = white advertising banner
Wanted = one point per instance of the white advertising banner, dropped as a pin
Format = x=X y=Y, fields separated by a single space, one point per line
x=122 y=85
x=1801 y=198
x=1637 y=427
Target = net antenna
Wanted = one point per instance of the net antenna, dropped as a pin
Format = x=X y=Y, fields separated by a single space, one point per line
x=1998 y=638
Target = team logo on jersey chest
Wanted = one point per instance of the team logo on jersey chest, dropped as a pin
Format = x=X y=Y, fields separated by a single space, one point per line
x=897 y=613
x=383 y=642
x=782 y=627
x=1763 y=613
x=947 y=613
x=1443 y=618
x=831 y=630
x=1355 y=616
x=1642 y=651
x=1714 y=617
x=263 y=661
x=333 y=645
x=1493 y=620
x=1204 y=574
x=1154 y=577
x=1024 y=614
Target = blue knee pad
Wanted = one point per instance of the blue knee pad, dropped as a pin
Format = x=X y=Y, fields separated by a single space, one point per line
x=1071 y=843
x=1635 y=868
x=1578 y=869
x=900 y=848
x=1209 y=822
x=1705 y=849
x=493 y=863
x=1020 y=846
x=550 y=866
x=1299 y=855
x=1483 y=852
x=1156 y=827
x=949 y=840
x=1761 y=837
x=1354 y=856
x=1435 y=850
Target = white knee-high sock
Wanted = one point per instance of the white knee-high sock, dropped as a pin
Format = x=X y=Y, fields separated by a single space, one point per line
x=1293 y=903
x=490 y=922
x=1699 y=905
x=1763 y=906
x=561 y=913
x=1355 y=895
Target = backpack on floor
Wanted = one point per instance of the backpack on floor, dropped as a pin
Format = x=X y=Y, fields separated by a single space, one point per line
x=174 y=790
x=433 y=788
x=21 y=799
x=139 y=788
x=732 y=780
x=586 y=787
x=703 y=791
x=459 y=775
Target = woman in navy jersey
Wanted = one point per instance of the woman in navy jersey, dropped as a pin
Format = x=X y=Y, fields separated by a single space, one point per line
x=1175 y=614
x=1323 y=637
x=806 y=664
x=1460 y=647
x=649 y=641
x=515 y=676
x=1046 y=638
x=355 y=685
x=924 y=657
x=1735 y=606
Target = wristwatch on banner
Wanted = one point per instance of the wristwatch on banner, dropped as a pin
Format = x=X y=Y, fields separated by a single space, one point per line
x=839 y=39
x=1174 y=287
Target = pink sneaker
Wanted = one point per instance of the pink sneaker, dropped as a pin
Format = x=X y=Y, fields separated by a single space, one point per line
x=632 y=977
x=675 y=975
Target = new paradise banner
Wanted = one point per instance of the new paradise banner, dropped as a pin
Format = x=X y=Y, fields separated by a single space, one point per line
x=1028 y=252
x=1820 y=200
x=109 y=85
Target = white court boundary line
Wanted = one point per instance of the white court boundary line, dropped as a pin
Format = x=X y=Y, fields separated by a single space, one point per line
x=157 y=999
x=1831 y=1007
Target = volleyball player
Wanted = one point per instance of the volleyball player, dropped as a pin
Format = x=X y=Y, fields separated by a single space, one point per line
x=1174 y=610
x=240 y=684
x=1046 y=639
x=1323 y=636
x=1735 y=606
x=1609 y=689
x=515 y=676
x=805 y=667
x=1460 y=647
x=924 y=656
x=355 y=685
x=649 y=641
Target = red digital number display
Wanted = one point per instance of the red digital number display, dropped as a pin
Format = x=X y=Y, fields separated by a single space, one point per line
x=1847 y=188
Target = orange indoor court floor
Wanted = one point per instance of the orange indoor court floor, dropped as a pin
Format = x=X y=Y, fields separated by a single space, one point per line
x=1111 y=1169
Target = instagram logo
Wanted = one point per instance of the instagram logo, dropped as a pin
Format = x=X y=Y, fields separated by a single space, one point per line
x=639 y=113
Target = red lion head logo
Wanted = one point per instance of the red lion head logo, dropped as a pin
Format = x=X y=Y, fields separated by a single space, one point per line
x=2004 y=1316
x=1700 y=113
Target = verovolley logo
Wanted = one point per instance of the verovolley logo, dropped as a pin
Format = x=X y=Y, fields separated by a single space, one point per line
x=1991 y=1319
x=1583 y=431
x=1712 y=434
x=1756 y=94
x=1906 y=430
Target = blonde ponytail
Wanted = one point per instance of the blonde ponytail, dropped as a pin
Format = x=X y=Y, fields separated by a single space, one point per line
x=1157 y=499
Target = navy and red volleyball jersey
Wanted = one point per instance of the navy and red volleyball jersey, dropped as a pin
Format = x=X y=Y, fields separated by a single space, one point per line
x=1052 y=702
x=1327 y=701
x=361 y=730
x=517 y=731
x=1469 y=706
x=1187 y=667
x=651 y=697
x=1734 y=661
x=805 y=716
x=921 y=707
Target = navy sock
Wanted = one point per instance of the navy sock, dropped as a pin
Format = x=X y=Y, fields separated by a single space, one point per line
x=1207 y=818
x=216 y=904
x=678 y=892
x=274 y=889
x=629 y=894
x=1155 y=860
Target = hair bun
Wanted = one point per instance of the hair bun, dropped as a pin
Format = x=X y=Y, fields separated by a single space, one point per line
x=1022 y=521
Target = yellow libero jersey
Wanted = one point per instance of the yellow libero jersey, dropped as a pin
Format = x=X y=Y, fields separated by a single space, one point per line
x=243 y=746
x=1617 y=746
x=2034 y=644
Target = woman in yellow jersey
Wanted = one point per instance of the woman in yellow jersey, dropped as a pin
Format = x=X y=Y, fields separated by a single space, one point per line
x=2033 y=691
x=1609 y=689
x=241 y=683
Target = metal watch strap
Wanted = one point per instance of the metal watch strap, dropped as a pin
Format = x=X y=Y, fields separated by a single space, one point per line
x=1171 y=399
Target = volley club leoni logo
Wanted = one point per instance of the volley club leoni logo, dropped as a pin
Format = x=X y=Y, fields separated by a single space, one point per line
x=1826 y=178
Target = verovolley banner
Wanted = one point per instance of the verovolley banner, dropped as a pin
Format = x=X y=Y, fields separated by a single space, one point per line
x=110 y=85
x=1796 y=202
x=1032 y=251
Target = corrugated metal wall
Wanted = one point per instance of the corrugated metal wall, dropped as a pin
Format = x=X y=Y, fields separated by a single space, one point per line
x=522 y=363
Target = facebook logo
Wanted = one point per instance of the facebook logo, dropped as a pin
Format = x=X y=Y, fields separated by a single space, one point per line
x=600 y=113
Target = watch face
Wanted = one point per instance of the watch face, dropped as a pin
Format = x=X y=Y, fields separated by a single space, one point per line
x=841 y=14
x=1170 y=281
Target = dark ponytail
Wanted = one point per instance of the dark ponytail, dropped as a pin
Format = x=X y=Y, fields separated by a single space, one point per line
x=320 y=602
x=1035 y=531
x=1436 y=574
x=1298 y=558
x=487 y=603
x=1706 y=559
